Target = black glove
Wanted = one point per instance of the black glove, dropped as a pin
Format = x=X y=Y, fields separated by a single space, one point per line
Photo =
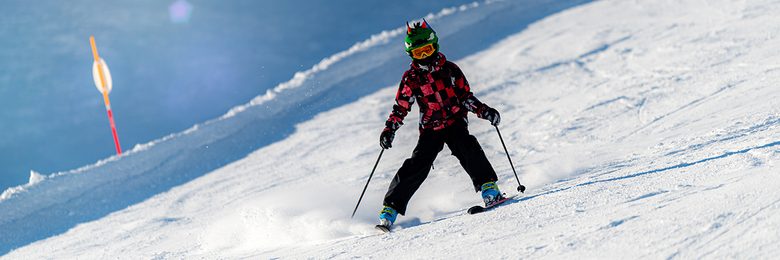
x=386 y=139
x=490 y=114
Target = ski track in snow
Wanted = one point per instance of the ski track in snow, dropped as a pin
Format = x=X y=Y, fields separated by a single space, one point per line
x=653 y=137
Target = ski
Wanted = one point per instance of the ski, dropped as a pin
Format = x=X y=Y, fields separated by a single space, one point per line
x=480 y=209
x=383 y=228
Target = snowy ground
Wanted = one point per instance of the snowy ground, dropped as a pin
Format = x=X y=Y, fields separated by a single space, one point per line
x=642 y=129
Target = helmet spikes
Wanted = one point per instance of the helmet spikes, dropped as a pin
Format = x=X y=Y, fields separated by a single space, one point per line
x=420 y=25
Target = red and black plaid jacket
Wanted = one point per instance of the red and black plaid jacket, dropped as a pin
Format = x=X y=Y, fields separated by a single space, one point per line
x=442 y=93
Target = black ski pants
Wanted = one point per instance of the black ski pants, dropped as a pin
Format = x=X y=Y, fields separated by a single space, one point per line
x=415 y=169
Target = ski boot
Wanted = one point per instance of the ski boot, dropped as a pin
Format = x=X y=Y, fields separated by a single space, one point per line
x=386 y=218
x=490 y=194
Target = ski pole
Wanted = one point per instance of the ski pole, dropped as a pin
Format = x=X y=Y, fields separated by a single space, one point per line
x=369 y=180
x=520 y=187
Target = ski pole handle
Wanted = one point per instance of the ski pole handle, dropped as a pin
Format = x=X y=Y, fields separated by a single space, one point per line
x=369 y=180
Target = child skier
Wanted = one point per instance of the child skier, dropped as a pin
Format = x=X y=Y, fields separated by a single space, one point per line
x=444 y=98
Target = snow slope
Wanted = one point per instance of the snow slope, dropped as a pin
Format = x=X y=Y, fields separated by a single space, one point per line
x=58 y=202
x=642 y=129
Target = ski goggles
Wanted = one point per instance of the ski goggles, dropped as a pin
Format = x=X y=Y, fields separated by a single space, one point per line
x=423 y=52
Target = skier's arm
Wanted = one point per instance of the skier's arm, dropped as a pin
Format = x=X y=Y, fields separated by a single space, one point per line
x=403 y=103
x=463 y=90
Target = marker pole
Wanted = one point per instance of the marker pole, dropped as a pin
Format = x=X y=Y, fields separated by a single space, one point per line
x=104 y=89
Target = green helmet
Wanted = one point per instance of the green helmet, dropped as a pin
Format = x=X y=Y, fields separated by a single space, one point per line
x=418 y=35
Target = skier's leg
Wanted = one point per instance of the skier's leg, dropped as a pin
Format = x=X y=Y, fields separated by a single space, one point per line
x=414 y=171
x=470 y=154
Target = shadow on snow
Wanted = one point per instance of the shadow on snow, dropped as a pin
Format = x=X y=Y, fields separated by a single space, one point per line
x=655 y=171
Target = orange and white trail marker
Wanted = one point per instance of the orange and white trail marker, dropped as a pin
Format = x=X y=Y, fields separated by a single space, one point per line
x=102 y=77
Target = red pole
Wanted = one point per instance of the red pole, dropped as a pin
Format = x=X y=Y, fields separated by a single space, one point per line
x=104 y=90
x=113 y=132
